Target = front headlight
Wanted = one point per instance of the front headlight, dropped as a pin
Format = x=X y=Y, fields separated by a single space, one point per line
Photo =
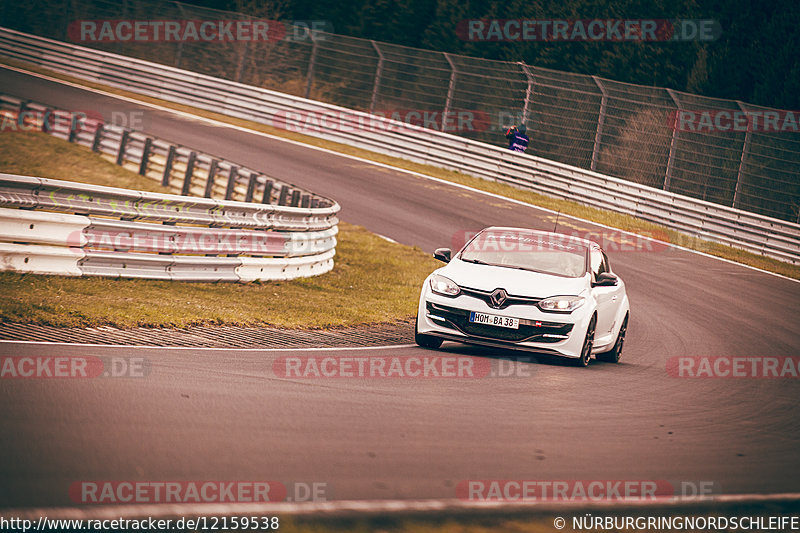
x=444 y=286
x=561 y=304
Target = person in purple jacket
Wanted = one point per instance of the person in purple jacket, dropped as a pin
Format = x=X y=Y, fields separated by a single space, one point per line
x=517 y=140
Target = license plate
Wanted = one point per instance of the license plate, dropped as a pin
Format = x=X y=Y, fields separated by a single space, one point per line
x=494 y=320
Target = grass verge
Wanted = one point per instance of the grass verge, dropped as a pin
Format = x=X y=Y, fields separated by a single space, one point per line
x=616 y=220
x=373 y=280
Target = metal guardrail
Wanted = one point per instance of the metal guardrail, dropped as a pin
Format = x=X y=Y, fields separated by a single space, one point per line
x=755 y=233
x=90 y=230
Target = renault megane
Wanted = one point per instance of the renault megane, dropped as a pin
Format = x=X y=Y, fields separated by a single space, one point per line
x=526 y=290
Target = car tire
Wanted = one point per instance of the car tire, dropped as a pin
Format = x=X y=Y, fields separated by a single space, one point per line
x=613 y=355
x=588 y=342
x=426 y=341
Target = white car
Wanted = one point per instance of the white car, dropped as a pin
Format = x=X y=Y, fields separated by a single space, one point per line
x=526 y=290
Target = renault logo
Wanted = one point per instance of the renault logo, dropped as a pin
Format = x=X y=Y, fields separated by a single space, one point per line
x=498 y=298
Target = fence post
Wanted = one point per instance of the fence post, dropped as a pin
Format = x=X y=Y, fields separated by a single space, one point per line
x=179 y=51
x=737 y=192
x=673 y=145
x=528 y=91
x=378 y=74
x=242 y=62
x=311 y=61
x=600 y=121
x=451 y=89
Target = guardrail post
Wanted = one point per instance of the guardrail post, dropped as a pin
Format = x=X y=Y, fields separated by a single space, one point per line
x=295 y=198
x=284 y=193
x=251 y=187
x=305 y=200
x=378 y=73
x=267 y=197
x=737 y=191
x=46 y=120
x=601 y=118
x=212 y=172
x=187 y=178
x=451 y=89
x=528 y=91
x=98 y=138
x=673 y=145
x=148 y=143
x=168 y=166
x=73 y=127
x=312 y=60
x=122 y=144
x=229 y=189
x=23 y=108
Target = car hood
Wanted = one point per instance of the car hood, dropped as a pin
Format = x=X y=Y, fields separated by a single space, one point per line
x=514 y=281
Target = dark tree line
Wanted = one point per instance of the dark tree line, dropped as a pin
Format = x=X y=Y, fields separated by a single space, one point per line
x=756 y=58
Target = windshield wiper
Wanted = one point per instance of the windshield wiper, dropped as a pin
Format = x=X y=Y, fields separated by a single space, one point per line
x=477 y=262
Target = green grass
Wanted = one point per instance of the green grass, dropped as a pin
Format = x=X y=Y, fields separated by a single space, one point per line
x=373 y=280
x=616 y=220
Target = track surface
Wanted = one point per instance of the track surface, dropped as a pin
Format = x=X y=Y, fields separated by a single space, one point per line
x=224 y=414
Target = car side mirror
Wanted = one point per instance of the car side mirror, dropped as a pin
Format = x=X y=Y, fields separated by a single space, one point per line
x=442 y=254
x=606 y=279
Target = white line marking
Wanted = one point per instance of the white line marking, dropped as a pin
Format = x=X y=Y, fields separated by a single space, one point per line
x=378 y=507
x=385 y=238
x=221 y=349
x=383 y=165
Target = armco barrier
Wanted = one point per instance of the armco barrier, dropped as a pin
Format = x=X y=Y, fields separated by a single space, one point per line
x=59 y=227
x=759 y=234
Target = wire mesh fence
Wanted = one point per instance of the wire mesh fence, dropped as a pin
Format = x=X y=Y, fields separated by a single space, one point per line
x=723 y=151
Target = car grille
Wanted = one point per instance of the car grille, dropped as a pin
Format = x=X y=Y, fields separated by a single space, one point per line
x=529 y=330
x=511 y=300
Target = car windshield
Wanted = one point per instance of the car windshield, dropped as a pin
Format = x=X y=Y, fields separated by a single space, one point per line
x=560 y=255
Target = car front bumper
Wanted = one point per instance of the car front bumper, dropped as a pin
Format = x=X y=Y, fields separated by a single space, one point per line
x=539 y=331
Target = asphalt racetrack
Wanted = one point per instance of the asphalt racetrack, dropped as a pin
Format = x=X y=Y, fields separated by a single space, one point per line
x=228 y=415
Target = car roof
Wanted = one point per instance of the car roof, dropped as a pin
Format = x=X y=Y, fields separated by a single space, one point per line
x=569 y=238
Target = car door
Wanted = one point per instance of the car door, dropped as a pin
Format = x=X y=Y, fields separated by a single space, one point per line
x=608 y=298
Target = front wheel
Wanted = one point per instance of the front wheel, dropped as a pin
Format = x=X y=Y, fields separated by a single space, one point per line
x=426 y=341
x=588 y=342
x=615 y=353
